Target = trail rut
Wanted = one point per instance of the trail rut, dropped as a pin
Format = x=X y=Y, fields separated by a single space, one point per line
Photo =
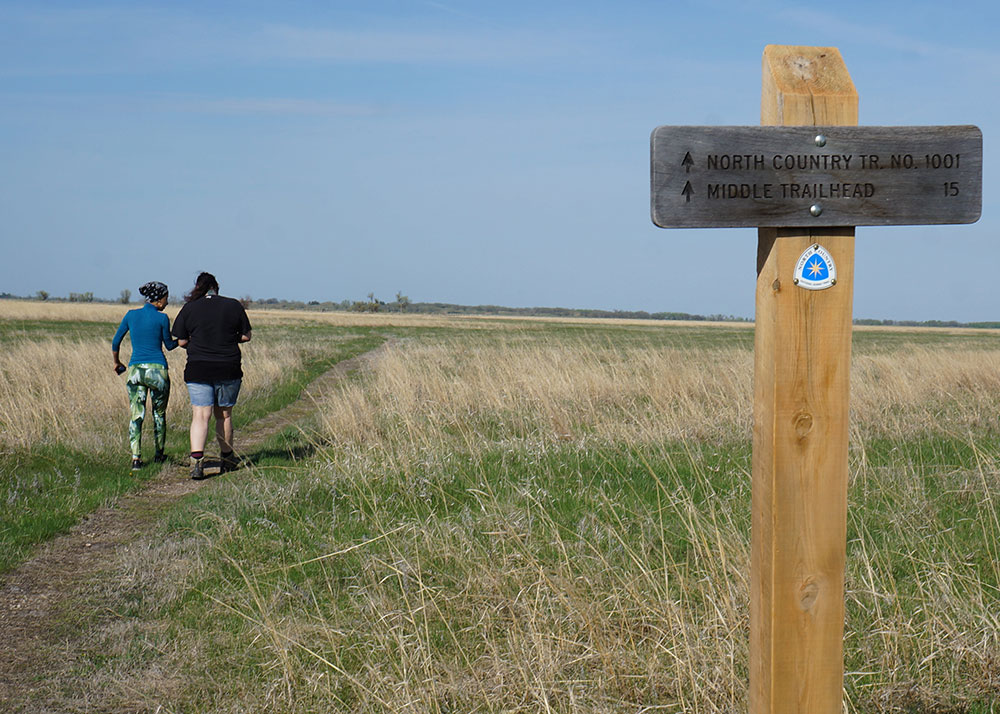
x=63 y=570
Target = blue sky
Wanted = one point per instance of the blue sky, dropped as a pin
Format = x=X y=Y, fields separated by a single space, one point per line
x=465 y=152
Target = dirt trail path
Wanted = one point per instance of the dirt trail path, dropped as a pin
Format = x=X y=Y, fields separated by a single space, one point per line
x=63 y=568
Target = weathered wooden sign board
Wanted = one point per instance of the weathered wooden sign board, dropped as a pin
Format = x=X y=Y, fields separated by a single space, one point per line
x=736 y=176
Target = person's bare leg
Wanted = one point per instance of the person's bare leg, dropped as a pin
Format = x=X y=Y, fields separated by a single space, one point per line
x=199 y=427
x=224 y=428
x=199 y=432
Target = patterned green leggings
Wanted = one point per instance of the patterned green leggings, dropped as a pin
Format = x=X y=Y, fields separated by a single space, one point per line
x=140 y=379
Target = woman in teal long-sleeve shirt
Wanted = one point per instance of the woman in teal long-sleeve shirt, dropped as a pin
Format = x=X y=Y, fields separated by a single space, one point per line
x=149 y=330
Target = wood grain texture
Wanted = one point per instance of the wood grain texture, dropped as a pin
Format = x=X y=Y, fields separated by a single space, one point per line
x=714 y=176
x=801 y=395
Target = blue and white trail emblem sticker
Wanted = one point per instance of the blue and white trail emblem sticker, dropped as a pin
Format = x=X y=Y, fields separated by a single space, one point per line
x=815 y=269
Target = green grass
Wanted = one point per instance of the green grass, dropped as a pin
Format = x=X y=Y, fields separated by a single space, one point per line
x=868 y=341
x=352 y=342
x=307 y=572
x=519 y=577
x=46 y=490
x=592 y=517
x=67 y=329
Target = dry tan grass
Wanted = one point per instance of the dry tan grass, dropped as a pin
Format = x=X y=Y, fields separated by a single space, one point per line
x=356 y=319
x=110 y=312
x=82 y=311
x=474 y=609
x=925 y=390
x=492 y=322
x=107 y=312
x=561 y=635
x=64 y=391
x=499 y=388
x=511 y=387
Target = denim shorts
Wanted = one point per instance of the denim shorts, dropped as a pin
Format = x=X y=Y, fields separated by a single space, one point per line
x=214 y=394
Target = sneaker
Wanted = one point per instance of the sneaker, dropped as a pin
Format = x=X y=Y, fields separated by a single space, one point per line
x=228 y=462
x=198 y=469
x=136 y=463
x=159 y=458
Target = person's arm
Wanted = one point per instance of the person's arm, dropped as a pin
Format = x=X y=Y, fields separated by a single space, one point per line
x=245 y=328
x=168 y=341
x=116 y=342
x=180 y=329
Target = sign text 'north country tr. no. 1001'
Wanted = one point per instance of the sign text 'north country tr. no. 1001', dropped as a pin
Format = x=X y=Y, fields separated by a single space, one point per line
x=733 y=176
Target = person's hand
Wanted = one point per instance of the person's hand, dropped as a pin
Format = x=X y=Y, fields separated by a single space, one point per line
x=119 y=367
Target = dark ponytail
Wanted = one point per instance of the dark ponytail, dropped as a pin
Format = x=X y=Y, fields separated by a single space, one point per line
x=205 y=283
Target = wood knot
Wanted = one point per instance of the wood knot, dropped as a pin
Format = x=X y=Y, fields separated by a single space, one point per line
x=803 y=424
x=808 y=594
x=776 y=285
x=801 y=67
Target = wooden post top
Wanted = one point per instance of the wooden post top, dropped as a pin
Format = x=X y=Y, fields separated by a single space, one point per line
x=807 y=85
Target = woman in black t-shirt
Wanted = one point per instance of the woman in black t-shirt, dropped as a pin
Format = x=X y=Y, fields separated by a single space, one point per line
x=211 y=327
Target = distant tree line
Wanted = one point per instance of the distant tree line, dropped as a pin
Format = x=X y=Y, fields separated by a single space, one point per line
x=500 y=310
x=926 y=323
x=402 y=303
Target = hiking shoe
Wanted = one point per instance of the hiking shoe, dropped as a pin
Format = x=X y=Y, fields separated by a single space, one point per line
x=228 y=462
x=198 y=469
x=136 y=463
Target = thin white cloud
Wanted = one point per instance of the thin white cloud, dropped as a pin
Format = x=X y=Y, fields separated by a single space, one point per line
x=125 y=39
x=334 y=45
x=261 y=106
x=881 y=36
x=184 y=104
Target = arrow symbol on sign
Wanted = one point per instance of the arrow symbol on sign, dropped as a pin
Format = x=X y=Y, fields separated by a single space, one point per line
x=688 y=162
x=686 y=192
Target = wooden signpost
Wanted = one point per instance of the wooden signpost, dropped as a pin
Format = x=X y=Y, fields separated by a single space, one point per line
x=806 y=188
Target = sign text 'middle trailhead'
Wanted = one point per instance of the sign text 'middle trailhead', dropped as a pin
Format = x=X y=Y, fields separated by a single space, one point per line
x=815 y=176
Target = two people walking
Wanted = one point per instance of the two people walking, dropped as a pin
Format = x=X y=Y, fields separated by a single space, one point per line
x=211 y=328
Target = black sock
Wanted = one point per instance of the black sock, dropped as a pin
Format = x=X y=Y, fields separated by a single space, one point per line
x=197 y=454
x=226 y=454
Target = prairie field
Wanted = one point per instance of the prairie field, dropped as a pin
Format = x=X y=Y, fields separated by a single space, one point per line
x=64 y=412
x=514 y=516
